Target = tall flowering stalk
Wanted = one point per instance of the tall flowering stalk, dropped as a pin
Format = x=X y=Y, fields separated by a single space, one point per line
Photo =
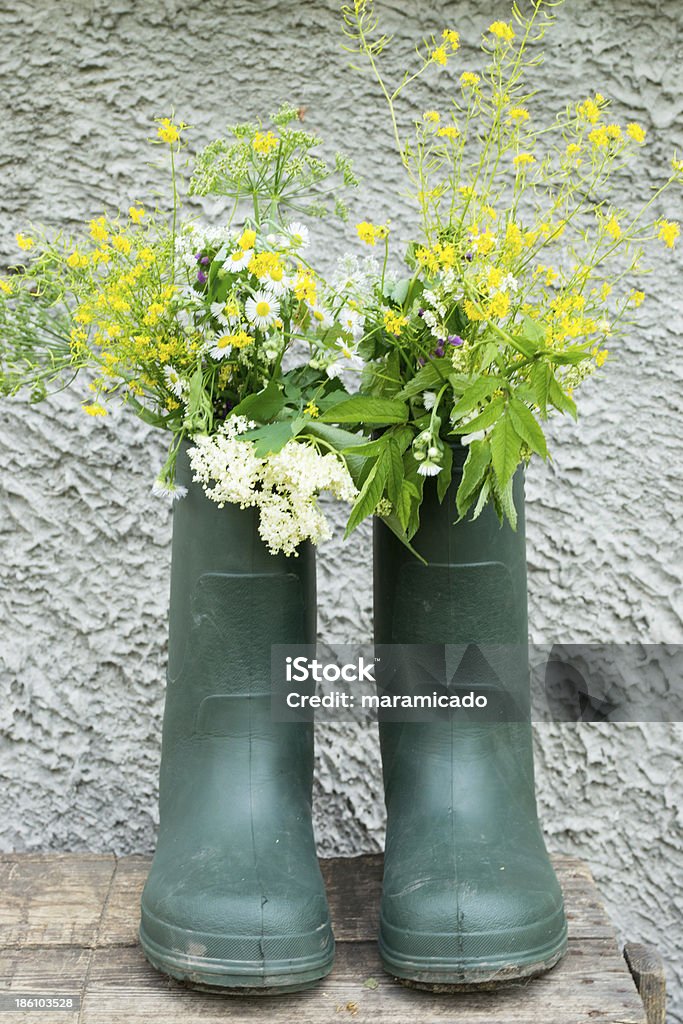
x=526 y=268
x=225 y=335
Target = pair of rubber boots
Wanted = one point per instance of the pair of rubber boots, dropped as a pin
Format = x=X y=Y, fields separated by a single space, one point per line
x=235 y=898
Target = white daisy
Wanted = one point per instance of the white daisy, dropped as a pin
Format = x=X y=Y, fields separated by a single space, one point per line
x=238 y=260
x=262 y=309
x=299 y=235
x=166 y=489
x=223 y=312
x=351 y=322
x=174 y=382
x=348 y=359
x=276 y=282
x=220 y=347
x=320 y=318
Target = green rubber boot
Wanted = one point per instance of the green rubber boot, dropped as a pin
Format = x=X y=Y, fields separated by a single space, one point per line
x=470 y=897
x=235 y=896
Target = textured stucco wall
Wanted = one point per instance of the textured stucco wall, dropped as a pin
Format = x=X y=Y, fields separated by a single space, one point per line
x=84 y=548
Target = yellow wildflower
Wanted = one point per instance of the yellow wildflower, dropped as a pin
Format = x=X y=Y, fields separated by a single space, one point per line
x=613 y=228
x=432 y=115
x=98 y=230
x=502 y=30
x=605 y=290
x=517 y=114
x=146 y=256
x=446 y=254
x=589 y=110
x=452 y=38
x=449 y=132
x=77 y=260
x=265 y=142
x=154 y=313
x=637 y=298
x=573 y=148
x=601 y=357
x=514 y=238
x=524 y=159
x=312 y=410
x=100 y=256
x=169 y=132
x=427 y=259
x=369 y=233
x=305 y=287
x=635 y=132
x=121 y=244
x=24 y=241
x=394 y=322
x=469 y=79
x=472 y=312
x=495 y=277
x=599 y=137
x=94 y=409
x=669 y=230
x=676 y=165
x=499 y=305
x=6 y=287
x=247 y=239
x=440 y=55
x=238 y=340
x=136 y=213
x=265 y=263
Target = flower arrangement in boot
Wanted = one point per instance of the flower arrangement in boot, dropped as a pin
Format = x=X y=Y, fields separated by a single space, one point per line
x=526 y=271
x=225 y=336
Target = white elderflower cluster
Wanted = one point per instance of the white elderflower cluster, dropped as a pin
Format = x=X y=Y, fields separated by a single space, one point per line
x=284 y=486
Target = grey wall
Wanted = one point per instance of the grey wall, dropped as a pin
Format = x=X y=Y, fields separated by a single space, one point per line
x=84 y=548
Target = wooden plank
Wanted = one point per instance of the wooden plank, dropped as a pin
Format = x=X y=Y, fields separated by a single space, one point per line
x=43 y=971
x=121 y=917
x=124 y=989
x=647 y=968
x=52 y=899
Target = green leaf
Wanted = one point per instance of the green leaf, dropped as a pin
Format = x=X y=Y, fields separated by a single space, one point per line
x=435 y=373
x=371 y=492
x=474 y=395
x=395 y=475
x=444 y=478
x=342 y=441
x=398 y=530
x=367 y=410
x=484 y=495
x=526 y=425
x=507 y=503
x=569 y=356
x=408 y=494
x=490 y=414
x=559 y=399
x=540 y=380
x=505 y=448
x=533 y=331
x=269 y=439
x=263 y=406
x=475 y=469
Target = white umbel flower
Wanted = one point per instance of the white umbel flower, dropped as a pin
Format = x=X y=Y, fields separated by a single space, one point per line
x=262 y=309
x=238 y=260
x=299 y=235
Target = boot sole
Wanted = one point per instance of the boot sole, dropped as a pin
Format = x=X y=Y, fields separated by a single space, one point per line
x=438 y=974
x=232 y=977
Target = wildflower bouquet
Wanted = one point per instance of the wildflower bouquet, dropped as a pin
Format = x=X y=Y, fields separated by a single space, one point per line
x=225 y=336
x=525 y=266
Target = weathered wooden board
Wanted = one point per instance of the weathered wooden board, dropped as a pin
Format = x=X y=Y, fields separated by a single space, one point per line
x=68 y=924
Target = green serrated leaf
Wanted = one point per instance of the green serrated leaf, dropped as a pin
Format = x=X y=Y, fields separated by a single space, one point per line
x=475 y=469
x=263 y=406
x=559 y=399
x=435 y=373
x=371 y=492
x=474 y=395
x=489 y=416
x=507 y=504
x=505 y=449
x=367 y=410
x=395 y=475
x=540 y=375
x=444 y=478
x=526 y=425
x=270 y=439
